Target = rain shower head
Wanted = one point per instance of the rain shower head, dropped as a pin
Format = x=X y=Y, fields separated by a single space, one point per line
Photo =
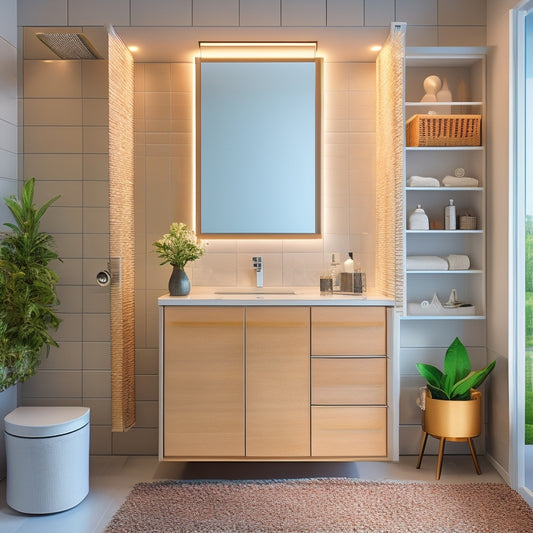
x=69 y=45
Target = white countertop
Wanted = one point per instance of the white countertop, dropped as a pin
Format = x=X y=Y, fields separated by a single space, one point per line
x=250 y=296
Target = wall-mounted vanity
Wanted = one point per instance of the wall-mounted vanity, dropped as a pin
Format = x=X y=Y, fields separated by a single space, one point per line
x=275 y=377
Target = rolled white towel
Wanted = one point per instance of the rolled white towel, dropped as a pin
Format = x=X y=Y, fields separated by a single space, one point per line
x=453 y=181
x=426 y=262
x=422 y=181
x=458 y=262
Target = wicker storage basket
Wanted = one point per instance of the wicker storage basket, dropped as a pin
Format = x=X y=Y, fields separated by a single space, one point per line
x=467 y=222
x=444 y=130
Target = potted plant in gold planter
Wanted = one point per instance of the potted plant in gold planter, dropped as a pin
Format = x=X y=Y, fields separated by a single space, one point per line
x=178 y=247
x=451 y=405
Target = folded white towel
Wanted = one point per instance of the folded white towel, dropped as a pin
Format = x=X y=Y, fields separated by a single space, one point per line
x=453 y=181
x=458 y=262
x=426 y=262
x=421 y=181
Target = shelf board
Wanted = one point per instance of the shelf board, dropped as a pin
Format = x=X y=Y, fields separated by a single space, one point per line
x=443 y=317
x=437 y=104
x=442 y=189
x=470 y=271
x=443 y=148
x=443 y=231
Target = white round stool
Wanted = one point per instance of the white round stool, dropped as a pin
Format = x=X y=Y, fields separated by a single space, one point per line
x=47 y=456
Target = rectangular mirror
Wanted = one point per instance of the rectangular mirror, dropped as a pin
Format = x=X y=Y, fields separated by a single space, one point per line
x=258 y=139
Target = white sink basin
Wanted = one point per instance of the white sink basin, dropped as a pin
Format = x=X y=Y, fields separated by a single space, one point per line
x=254 y=290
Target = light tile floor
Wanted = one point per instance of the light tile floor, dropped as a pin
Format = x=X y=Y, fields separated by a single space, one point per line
x=111 y=479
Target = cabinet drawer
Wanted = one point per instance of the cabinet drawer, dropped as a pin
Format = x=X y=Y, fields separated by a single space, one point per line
x=348 y=431
x=348 y=331
x=349 y=381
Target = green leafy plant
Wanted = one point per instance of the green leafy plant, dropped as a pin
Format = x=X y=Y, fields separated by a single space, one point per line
x=457 y=380
x=179 y=246
x=27 y=290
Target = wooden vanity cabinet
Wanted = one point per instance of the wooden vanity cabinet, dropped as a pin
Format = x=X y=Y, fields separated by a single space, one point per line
x=274 y=383
x=203 y=382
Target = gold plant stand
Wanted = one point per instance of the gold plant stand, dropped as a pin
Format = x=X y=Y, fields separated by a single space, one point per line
x=450 y=420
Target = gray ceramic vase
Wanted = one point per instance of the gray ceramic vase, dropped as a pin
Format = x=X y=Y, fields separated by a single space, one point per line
x=179 y=284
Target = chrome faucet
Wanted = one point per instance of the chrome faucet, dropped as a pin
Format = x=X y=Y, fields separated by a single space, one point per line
x=258 y=265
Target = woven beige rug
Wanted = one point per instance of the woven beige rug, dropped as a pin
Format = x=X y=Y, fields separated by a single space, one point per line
x=322 y=505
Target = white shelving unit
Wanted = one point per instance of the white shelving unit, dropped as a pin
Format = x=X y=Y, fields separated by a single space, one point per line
x=424 y=338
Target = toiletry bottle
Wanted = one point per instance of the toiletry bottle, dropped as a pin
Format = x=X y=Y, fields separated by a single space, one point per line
x=335 y=271
x=348 y=264
x=449 y=216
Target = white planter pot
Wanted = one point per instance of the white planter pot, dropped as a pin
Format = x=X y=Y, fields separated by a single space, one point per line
x=8 y=402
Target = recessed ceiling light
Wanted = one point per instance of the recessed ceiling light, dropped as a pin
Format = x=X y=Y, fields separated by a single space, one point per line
x=376 y=48
x=133 y=48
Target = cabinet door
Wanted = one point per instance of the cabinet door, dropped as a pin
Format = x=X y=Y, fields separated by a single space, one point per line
x=204 y=381
x=349 y=331
x=277 y=382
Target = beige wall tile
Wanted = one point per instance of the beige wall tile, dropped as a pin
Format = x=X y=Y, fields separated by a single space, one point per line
x=95 y=140
x=70 y=297
x=260 y=12
x=345 y=12
x=301 y=269
x=53 y=166
x=137 y=441
x=161 y=13
x=95 y=220
x=146 y=361
x=457 y=12
x=303 y=13
x=100 y=410
x=52 y=79
x=379 y=12
x=69 y=271
x=215 y=13
x=68 y=245
x=417 y=12
x=95 y=193
x=157 y=77
x=95 y=166
x=157 y=105
x=96 y=327
x=138 y=76
x=70 y=329
x=147 y=414
x=95 y=112
x=67 y=356
x=97 y=355
x=53 y=139
x=52 y=402
x=146 y=387
x=462 y=36
x=96 y=245
x=97 y=384
x=69 y=192
x=62 y=220
x=101 y=440
x=42 y=13
x=99 y=12
x=95 y=79
x=140 y=309
x=181 y=77
x=52 y=112
x=91 y=267
x=53 y=384
x=96 y=299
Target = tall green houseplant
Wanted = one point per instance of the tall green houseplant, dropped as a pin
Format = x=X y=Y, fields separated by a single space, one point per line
x=27 y=290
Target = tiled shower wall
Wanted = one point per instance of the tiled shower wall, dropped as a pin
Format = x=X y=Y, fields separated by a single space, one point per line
x=65 y=146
